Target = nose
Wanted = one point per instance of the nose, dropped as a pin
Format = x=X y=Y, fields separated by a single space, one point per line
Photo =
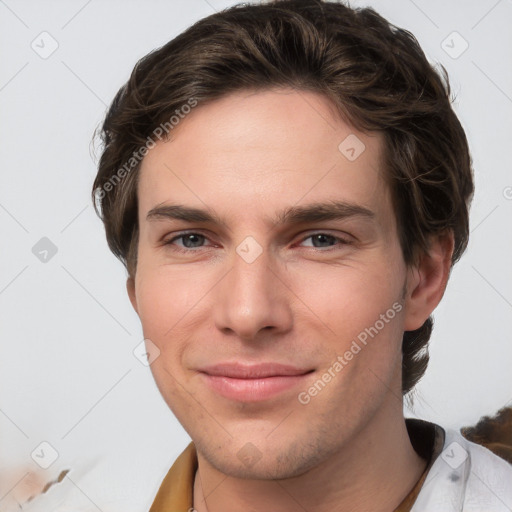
x=252 y=299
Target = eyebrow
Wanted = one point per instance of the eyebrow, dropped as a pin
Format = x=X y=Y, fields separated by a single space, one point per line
x=314 y=212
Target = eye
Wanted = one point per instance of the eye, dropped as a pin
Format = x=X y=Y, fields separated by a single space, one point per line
x=188 y=240
x=319 y=240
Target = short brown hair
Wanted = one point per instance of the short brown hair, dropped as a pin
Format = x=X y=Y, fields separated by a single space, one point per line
x=374 y=73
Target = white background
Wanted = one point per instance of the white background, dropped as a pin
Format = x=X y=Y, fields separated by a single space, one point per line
x=67 y=372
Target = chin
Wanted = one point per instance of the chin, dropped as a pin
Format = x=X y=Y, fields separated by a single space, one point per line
x=268 y=463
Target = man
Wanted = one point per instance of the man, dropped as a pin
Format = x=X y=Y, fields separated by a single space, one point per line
x=288 y=187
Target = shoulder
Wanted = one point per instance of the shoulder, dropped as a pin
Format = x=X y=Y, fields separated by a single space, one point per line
x=490 y=478
x=466 y=477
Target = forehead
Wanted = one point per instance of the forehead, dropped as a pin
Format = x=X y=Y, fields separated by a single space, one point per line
x=254 y=152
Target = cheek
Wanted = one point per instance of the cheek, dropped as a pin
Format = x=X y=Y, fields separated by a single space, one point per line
x=165 y=305
x=165 y=298
x=357 y=317
x=351 y=298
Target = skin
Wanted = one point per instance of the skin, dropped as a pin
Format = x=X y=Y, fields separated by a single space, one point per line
x=245 y=157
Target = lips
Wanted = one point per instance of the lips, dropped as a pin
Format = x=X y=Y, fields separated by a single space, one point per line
x=255 y=371
x=253 y=383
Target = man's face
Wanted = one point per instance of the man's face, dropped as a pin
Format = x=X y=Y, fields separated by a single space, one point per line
x=254 y=286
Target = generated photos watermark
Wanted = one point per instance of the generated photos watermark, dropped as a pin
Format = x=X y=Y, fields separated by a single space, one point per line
x=160 y=132
x=304 y=397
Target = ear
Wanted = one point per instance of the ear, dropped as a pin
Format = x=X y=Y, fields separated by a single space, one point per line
x=426 y=281
x=130 y=288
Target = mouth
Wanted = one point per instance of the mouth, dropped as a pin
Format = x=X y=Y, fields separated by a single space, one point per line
x=253 y=383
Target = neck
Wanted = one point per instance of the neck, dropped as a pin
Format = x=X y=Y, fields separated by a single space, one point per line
x=375 y=470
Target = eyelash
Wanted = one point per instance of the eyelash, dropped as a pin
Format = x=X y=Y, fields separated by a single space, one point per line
x=176 y=248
